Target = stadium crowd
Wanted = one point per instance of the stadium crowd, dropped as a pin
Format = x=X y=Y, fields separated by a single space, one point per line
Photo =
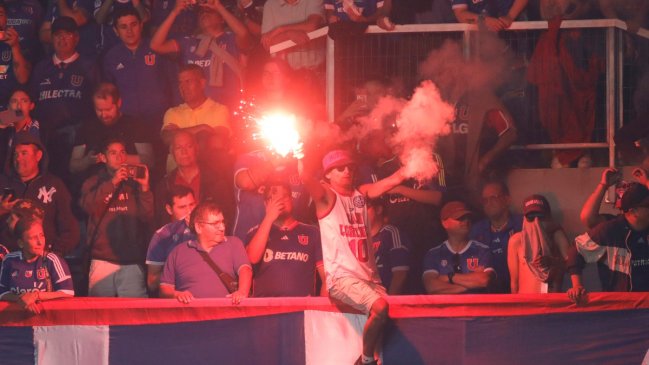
x=130 y=169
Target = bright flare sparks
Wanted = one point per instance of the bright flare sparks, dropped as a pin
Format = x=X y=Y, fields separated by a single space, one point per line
x=279 y=132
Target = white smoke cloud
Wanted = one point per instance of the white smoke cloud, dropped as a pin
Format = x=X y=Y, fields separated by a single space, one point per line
x=422 y=120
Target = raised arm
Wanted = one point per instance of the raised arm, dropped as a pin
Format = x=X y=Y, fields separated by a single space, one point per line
x=375 y=190
x=322 y=196
x=257 y=245
x=79 y=15
x=240 y=31
x=159 y=41
x=21 y=66
x=433 y=197
x=589 y=214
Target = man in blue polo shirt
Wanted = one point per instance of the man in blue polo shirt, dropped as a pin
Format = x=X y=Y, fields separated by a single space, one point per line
x=187 y=273
x=215 y=50
x=496 y=229
x=286 y=253
x=179 y=204
x=14 y=67
x=140 y=74
x=459 y=265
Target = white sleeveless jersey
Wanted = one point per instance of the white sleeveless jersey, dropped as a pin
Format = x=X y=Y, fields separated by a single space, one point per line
x=345 y=248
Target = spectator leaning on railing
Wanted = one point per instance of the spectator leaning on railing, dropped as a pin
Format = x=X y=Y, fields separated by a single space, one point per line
x=33 y=274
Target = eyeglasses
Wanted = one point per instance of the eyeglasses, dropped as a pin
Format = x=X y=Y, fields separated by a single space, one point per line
x=342 y=168
x=213 y=224
x=457 y=268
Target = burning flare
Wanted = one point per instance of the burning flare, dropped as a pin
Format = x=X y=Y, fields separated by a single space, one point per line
x=278 y=130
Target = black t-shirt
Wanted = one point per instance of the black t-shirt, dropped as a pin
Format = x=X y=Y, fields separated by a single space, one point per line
x=639 y=245
x=93 y=133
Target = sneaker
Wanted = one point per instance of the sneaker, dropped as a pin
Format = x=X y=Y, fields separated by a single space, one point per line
x=360 y=361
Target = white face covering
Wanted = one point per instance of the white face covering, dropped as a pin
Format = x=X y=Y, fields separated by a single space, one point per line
x=535 y=241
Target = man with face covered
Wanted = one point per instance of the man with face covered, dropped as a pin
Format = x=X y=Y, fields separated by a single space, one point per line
x=537 y=255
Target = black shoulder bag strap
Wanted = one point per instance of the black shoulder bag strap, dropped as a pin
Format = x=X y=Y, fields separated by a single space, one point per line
x=231 y=284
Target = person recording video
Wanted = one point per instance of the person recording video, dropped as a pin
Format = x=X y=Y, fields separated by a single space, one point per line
x=119 y=204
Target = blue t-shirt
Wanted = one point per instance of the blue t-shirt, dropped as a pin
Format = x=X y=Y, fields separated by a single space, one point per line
x=443 y=260
x=391 y=252
x=230 y=91
x=288 y=267
x=185 y=269
x=366 y=7
x=63 y=95
x=26 y=16
x=19 y=276
x=498 y=242
x=165 y=239
x=142 y=79
x=250 y=204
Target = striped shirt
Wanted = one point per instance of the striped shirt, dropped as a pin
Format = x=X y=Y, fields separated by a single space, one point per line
x=47 y=273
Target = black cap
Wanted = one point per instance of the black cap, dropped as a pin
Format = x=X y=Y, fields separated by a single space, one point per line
x=64 y=23
x=637 y=195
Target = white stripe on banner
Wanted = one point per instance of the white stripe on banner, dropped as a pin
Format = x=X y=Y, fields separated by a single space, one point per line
x=332 y=338
x=71 y=345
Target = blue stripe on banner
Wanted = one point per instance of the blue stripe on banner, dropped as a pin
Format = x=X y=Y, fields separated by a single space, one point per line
x=276 y=339
x=16 y=345
x=610 y=338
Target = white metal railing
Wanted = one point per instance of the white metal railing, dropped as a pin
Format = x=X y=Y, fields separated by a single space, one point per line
x=614 y=75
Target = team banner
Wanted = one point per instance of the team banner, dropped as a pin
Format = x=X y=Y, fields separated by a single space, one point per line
x=465 y=329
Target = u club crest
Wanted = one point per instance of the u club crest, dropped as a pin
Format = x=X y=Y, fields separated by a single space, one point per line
x=149 y=59
x=76 y=80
